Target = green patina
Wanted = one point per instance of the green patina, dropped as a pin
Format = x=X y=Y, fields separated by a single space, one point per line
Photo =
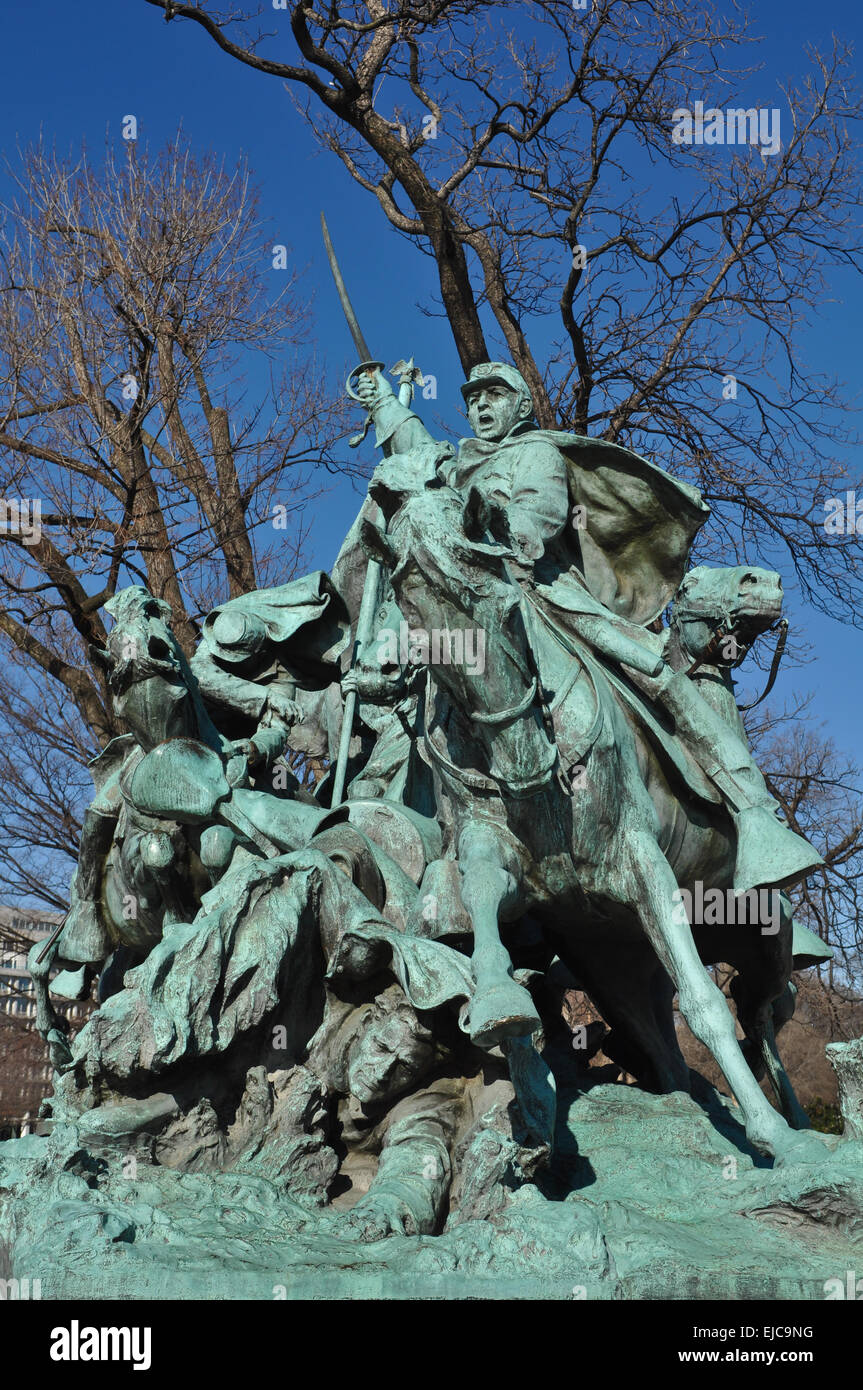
x=329 y=1056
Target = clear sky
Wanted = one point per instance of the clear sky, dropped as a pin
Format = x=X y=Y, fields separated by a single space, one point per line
x=73 y=72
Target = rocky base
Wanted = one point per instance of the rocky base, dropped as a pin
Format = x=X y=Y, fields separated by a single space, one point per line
x=650 y=1198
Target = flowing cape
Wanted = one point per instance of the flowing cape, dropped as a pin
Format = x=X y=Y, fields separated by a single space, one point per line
x=638 y=524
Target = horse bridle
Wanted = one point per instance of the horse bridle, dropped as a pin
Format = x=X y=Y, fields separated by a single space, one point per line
x=727 y=629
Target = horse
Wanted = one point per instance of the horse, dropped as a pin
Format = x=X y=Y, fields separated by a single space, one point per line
x=153 y=845
x=597 y=861
x=714 y=620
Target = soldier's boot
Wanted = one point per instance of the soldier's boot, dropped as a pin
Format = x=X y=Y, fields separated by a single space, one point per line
x=769 y=853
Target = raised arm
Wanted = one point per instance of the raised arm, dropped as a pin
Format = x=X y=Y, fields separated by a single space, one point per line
x=397 y=429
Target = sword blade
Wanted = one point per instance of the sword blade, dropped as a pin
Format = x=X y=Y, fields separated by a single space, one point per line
x=360 y=343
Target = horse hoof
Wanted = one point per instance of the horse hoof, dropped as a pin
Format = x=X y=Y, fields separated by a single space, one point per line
x=504 y=1011
x=803 y=1148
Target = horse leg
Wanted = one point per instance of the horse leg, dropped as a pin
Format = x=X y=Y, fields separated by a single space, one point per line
x=622 y=981
x=651 y=887
x=779 y=1078
x=763 y=962
x=782 y=1011
x=662 y=998
x=762 y=1053
x=757 y=1014
x=784 y=1006
x=49 y=1024
x=500 y=1007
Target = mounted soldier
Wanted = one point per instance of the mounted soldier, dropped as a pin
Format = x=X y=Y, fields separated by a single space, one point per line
x=575 y=674
x=593 y=542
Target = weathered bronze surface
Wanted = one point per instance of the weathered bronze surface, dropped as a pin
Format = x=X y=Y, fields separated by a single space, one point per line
x=345 y=1009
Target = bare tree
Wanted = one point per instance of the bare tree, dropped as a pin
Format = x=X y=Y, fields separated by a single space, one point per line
x=820 y=791
x=44 y=752
x=527 y=147
x=135 y=298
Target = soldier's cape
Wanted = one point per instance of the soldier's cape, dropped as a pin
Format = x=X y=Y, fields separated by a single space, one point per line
x=306 y=618
x=634 y=526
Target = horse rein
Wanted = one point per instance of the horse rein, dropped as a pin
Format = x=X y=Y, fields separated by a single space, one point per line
x=726 y=629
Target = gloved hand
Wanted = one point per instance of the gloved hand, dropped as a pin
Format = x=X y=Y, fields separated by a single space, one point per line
x=280 y=706
x=372 y=387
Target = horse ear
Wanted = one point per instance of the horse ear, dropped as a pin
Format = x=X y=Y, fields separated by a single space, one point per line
x=100 y=657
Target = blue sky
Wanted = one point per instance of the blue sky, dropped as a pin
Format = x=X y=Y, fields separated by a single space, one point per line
x=74 y=71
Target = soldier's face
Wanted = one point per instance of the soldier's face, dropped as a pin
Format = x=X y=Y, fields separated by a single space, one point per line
x=492 y=411
x=387 y=1058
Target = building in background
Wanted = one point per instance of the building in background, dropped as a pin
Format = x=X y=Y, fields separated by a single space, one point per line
x=25 y=1070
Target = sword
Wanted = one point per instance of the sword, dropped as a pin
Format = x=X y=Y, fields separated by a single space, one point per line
x=367 y=363
x=407 y=374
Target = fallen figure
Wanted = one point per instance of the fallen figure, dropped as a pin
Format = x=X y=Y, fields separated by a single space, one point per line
x=292 y=1029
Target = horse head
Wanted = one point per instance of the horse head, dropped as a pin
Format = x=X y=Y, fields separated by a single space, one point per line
x=148 y=675
x=717 y=614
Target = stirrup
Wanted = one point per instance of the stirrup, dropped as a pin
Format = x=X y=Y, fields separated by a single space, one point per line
x=769 y=854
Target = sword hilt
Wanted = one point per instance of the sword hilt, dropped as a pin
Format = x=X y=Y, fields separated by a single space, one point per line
x=364 y=368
